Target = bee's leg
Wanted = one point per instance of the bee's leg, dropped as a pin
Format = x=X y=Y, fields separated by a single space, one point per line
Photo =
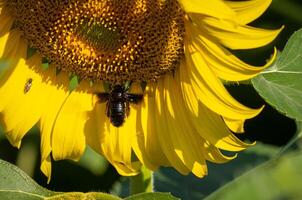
x=108 y=109
x=127 y=108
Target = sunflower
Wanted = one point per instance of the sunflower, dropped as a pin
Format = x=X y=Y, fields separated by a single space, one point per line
x=173 y=55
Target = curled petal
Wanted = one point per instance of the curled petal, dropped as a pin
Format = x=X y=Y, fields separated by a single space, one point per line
x=208 y=88
x=212 y=128
x=235 y=36
x=236 y=126
x=224 y=64
x=46 y=167
x=213 y=154
x=248 y=11
x=214 y=8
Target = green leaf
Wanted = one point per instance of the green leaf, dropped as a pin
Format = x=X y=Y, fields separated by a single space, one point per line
x=93 y=162
x=80 y=195
x=152 y=196
x=14 y=180
x=15 y=184
x=192 y=188
x=281 y=84
x=141 y=182
x=8 y=195
x=276 y=179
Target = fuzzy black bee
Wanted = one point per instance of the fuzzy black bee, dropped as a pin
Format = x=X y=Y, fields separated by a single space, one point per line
x=118 y=100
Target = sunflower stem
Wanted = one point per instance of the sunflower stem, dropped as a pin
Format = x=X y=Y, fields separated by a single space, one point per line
x=143 y=182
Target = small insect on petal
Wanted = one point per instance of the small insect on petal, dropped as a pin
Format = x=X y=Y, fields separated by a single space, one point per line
x=28 y=85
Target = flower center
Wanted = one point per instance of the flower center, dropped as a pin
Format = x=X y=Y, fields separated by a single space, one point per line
x=110 y=40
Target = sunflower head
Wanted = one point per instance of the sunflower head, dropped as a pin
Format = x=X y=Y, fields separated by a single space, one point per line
x=181 y=119
x=105 y=40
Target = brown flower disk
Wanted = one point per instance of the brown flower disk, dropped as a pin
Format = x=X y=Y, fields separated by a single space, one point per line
x=111 y=40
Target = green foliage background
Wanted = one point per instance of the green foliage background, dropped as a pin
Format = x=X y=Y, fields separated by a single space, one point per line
x=272 y=169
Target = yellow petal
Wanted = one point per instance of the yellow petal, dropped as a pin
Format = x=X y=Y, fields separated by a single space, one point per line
x=151 y=153
x=23 y=102
x=145 y=144
x=6 y=21
x=125 y=137
x=114 y=143
x=186 y=143
x=235 y=36
x=224 y=64
x=122 y=138
x=179 y=124
x=10 y=44
x=208 y=88
x=236 y=126
x=248 y=11
x=12 y=48
x=213 y=154
x=163 y=133
x=68 y=139
x=117 y=146
x=214 y=8
x=94 y=127
x=212 y=128
x=46 y=167
x=58 y=92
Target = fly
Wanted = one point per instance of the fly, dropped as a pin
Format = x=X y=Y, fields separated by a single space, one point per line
x=28 y=85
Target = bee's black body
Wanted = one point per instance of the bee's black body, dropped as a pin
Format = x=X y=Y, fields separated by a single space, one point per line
x=118 y=103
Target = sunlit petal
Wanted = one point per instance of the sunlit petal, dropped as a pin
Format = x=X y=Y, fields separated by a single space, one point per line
x=215 y=8
x=222 y=62
x=248 y=11
x=212 y=128
x=6 y=21
x=57 y=94
x=71 y=121
x=12 y=48
x=114 y=143
x=236 y=126
x=235 y=36
x=171 y=54
x=209 y=89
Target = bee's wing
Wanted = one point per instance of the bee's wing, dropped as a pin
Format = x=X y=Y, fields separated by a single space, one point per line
x=133 y=98
x=103 y=97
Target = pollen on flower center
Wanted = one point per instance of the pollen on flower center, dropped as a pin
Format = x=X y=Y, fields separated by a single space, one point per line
x=137 y=40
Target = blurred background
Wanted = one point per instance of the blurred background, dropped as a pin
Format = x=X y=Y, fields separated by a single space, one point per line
x=271 y=129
